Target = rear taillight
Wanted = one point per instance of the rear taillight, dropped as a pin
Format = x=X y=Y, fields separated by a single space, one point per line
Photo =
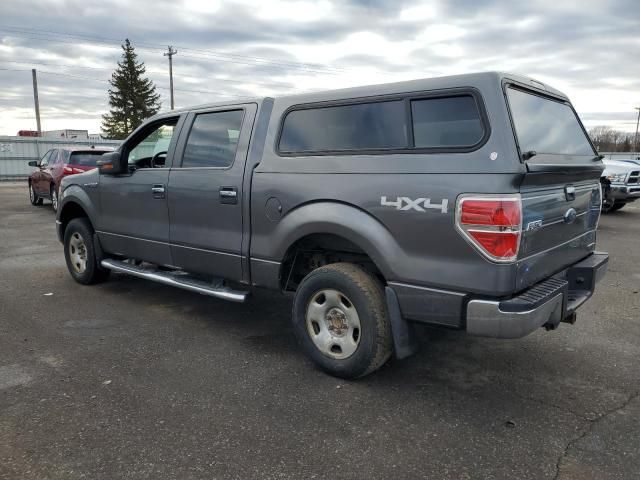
x=68 y=170
x=492 y=224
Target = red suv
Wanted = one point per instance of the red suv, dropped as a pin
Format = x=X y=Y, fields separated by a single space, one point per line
x=56 y=164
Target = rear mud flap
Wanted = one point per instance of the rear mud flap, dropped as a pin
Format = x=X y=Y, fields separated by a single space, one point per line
x=404 y=339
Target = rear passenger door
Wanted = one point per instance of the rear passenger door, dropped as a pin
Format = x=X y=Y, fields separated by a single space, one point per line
x=205 y=191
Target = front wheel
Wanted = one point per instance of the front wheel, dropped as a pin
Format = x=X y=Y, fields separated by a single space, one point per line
x=340 y=318
x=610 y=207
x=33 y=196
x=80 y=254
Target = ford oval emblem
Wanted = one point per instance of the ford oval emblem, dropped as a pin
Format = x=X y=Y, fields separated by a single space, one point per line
x=570 y=215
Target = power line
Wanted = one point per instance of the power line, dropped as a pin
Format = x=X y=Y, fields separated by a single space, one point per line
x=155 y=46
x=219 y=56
x=224 y=94
x=210 y=57
x=151 y=72
x=32 y=62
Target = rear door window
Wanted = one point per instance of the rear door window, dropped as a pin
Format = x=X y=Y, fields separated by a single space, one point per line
x=446 y=122
x=362 y=126
x=213 y=139
x=548 y=127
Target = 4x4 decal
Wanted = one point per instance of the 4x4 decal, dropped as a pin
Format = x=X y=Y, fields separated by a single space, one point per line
x=419 y=204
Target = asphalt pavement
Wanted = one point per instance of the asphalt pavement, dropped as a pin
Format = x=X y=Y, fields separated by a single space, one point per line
x=132 y=379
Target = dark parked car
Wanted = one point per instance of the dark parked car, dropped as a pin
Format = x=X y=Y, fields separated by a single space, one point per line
x=55 y=165
x=469 y=202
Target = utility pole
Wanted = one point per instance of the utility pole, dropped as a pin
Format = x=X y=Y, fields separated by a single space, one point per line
x=637 y=123
x=170 y=53
x=37 y=102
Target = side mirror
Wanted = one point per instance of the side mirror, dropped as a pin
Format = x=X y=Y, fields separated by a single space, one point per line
x=112 y=163
x=33 y=163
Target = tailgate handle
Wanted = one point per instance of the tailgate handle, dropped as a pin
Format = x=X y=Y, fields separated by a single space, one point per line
x=570 y=192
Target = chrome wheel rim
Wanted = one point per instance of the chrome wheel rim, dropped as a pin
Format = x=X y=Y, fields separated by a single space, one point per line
x=32 y=195
x=78 y=253
x=54 y=199
x=333 y=324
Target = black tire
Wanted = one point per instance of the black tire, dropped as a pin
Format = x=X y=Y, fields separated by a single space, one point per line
x=33 y=196
x=365 y=293
x=54 y=197
x=80 y=229
x=617 y=206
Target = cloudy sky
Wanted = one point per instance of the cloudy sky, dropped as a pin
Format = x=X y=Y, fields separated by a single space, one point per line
x=590 y=49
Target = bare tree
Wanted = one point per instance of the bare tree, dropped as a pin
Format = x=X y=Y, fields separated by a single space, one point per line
x=606 y=139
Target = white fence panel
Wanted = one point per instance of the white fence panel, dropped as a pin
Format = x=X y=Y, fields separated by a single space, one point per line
x=17 y=152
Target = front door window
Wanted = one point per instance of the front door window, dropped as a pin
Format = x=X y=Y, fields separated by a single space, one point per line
x=151 y=150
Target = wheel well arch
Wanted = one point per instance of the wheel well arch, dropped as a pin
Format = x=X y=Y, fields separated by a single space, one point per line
x=70 y=211
x=317 y=249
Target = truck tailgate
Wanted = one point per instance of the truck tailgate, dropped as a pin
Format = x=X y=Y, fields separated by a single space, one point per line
x=560 y=216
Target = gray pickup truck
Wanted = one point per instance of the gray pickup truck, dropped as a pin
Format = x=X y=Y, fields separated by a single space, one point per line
x=469 y=202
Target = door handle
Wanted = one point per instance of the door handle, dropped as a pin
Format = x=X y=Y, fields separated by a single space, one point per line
x=570 y=192
x=228 y=195
x=158 y=191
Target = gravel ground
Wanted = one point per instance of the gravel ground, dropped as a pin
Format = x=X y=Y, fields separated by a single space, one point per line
x=131 y=379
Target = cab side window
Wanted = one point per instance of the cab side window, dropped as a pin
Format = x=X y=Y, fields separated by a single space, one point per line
x=150 y=150
x=213 y=139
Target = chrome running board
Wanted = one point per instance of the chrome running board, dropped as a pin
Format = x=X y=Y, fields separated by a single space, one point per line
x=179 y=280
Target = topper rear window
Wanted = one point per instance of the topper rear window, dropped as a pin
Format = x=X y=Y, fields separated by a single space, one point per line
x=547 y=127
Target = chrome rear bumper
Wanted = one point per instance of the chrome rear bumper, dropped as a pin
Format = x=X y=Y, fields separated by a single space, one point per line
x=547 y=303
x=486 y=319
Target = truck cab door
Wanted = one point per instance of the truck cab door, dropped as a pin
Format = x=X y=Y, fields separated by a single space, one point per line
x=134 y=218
x=205 y=191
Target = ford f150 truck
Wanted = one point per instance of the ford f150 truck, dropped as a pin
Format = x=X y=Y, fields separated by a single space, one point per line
x=469 y=202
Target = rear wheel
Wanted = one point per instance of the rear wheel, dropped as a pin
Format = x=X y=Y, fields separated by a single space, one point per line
x=33 y=196
x=80 y=254
x=617 y=206
x=54 y=198
x=341 y=320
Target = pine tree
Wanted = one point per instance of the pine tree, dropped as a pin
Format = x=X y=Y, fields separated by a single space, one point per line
x=132 y=97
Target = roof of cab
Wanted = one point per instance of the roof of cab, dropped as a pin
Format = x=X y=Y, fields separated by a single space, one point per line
x=468 y=80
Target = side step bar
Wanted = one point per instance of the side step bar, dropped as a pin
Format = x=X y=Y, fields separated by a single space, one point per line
x=177 y=280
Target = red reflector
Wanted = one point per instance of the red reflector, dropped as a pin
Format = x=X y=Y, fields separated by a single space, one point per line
x=499 y=213
x=498 y=244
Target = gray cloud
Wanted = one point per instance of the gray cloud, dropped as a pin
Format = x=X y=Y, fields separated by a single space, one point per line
x=590 y=50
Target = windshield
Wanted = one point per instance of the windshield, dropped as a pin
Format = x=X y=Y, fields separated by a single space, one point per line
x=547 y=126
x=85 y=159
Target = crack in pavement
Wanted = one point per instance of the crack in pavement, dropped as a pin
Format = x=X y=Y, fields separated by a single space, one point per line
x=589 y=428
